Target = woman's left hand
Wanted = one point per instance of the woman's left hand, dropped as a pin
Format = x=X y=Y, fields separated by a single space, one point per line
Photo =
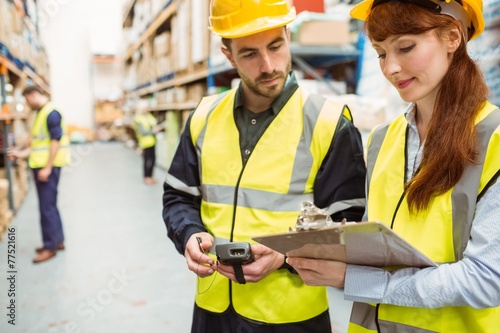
x=319 y=272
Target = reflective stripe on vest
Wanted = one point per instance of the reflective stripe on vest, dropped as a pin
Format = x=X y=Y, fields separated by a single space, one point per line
x=442 y=242
x=41 y=141
x=264 y=196
x=148 y=121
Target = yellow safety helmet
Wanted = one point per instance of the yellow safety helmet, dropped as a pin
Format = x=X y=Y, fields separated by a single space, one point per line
x=470 y=13
x=240 y=18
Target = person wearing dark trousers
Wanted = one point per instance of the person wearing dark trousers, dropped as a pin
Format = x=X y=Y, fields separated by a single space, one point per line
x=149 y=156
x=146 y=127
x=247 y=160
x=48 y=150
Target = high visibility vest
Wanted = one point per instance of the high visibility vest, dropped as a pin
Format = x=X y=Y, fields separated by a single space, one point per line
x=148 y=122
x=441 y=232
x=263 y=196
x=41 y=141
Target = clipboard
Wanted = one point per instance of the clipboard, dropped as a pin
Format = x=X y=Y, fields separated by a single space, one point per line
x=359 y=243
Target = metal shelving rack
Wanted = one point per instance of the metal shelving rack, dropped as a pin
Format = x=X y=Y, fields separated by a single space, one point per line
x=5 y=122
x=13 y=71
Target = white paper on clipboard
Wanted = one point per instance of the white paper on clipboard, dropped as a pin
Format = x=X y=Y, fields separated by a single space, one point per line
x=363 y=243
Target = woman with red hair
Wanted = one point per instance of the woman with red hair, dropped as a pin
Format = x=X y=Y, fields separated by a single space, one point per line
x=431 y=177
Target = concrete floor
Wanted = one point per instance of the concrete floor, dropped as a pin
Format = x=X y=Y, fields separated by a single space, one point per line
x=119 y=272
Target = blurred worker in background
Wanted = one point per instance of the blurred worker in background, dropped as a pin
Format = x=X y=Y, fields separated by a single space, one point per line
x=432 y=177
x=47 y=150
x=146 y=127
x=246 y=161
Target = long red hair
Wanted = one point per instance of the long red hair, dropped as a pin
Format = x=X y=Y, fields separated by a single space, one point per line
x=451 y=142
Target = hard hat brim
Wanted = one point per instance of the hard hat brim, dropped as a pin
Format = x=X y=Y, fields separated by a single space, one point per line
x=361 y=10
x=259 y=25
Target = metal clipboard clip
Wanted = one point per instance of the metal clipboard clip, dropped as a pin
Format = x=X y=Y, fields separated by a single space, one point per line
x=312 y=217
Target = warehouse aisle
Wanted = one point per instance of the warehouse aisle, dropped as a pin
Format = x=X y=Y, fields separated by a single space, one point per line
x=119 y=272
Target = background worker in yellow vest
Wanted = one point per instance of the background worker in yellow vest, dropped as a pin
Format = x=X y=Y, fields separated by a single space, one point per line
x=48 y=151
x=146 y=127
x=246 y=161
x=432 y=177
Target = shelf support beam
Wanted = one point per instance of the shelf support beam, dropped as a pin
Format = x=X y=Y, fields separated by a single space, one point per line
x=311 y=71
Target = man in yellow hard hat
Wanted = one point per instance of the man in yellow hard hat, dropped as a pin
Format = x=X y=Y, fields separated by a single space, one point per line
x=246 y=161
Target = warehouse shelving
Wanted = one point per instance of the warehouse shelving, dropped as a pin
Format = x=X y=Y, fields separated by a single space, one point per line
x=175 y=81
x=8 y=73
x=20 y=65
x=308 y=58
x=166 y=13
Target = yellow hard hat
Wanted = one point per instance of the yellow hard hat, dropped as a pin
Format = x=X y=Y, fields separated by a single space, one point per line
x=239 y=18
x=471 y=13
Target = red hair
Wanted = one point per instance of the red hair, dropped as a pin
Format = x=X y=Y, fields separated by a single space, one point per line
x=451 y=143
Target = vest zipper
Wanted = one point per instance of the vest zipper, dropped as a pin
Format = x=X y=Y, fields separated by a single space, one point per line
x=376 y=318
x=404 y=178
x=233 y=222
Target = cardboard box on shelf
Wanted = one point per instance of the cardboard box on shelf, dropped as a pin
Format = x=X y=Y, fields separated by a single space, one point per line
x=107 y=112
x=4 y=207
x=180 y=94
x=320 y=29
x=184 y=46
x=200 y=35
x=162 y=44
x=5 y=219
x=319 y=32
x=196 y=91
x=4 y=186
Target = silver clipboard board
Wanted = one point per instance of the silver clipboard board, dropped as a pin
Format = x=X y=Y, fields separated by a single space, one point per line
x=363 y=243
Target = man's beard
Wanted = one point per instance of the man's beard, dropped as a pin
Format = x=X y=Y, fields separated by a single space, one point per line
x=268 y=92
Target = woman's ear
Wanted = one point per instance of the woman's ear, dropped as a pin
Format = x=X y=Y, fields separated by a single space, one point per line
x=455 y=37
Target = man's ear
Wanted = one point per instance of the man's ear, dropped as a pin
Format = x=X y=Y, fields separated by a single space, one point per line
x=228 y=55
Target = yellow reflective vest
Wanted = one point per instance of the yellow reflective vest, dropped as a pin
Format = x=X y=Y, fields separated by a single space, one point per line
x=40 y=142
x=146 y=122
x=441 y=232
x=261 y=196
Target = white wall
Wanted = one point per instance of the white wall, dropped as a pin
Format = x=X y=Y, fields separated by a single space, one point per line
x=108 y=80
x=72 y=31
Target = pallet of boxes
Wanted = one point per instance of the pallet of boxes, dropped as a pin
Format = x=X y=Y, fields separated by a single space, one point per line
x=19 y=192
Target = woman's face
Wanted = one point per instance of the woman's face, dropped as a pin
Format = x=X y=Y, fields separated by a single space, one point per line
x=415 y=64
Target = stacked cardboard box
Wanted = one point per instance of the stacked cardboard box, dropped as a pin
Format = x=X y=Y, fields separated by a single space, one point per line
x=182 y=44
x=107 y=112
x=19 y=36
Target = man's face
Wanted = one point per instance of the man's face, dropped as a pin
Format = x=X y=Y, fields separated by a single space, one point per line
x=34 y=100
x=263 y=61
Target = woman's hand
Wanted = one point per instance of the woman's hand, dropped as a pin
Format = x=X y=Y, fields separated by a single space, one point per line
x=319 y=272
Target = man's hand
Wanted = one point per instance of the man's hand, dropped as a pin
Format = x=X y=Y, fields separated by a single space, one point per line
x=44 y=173
x=14 y=154
x=318 y=272
x=266 y=261
x=196 y=259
